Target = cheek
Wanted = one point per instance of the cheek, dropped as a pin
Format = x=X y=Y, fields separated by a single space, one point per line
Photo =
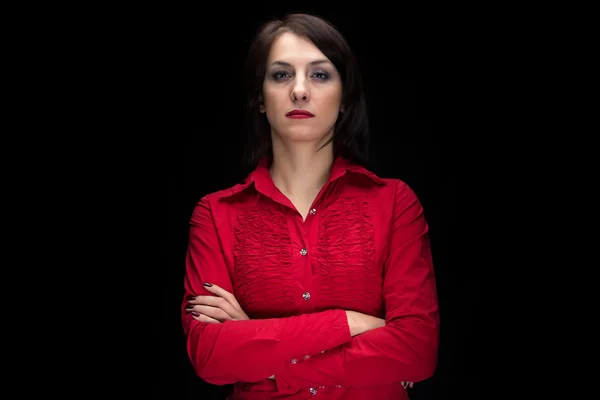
x=333 y=103
x=334 y=98
x=271 y=105
x=271 y=97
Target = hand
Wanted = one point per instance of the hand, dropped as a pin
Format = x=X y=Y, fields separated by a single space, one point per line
x=215 y=309
x=361 y=323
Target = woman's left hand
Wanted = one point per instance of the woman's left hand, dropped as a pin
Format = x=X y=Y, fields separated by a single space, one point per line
x=215 y=309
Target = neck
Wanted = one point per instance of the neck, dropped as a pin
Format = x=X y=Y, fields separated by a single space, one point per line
x=300 y=170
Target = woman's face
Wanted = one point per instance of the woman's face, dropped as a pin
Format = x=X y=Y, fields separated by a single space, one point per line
x=299 y=78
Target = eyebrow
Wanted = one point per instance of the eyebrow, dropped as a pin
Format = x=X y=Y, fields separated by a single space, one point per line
x=286 y=64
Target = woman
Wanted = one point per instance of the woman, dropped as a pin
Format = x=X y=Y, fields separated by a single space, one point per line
x=314 y=276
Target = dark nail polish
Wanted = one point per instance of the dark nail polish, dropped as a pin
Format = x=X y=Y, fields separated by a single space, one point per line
x=192 y=298
x=195 y=314
x=207 y=284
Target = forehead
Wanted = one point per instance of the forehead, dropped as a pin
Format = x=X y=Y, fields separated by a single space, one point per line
x=292 y=48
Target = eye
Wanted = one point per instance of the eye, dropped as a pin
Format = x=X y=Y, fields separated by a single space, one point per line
x=279 y=75
x=321 y=75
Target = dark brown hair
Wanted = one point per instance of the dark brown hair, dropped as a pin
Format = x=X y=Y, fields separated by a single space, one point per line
x=351 y=133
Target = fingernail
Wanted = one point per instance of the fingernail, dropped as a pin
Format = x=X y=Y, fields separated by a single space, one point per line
x=192 y=298
x=207 y=284
x=195 y=314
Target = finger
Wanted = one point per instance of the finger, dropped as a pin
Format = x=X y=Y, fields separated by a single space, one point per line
x=215 y=301
x=204 y=318
x=219 y=291
x=212 y=312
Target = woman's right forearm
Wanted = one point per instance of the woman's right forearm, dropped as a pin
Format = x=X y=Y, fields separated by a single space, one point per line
x=361 y=323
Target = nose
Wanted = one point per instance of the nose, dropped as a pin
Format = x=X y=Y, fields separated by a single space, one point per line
x=299 y=92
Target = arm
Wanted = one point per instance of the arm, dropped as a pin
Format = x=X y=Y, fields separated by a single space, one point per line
x=406 y=348
x=249 y=350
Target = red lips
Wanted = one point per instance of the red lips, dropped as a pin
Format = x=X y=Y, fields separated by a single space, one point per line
x=299 y=113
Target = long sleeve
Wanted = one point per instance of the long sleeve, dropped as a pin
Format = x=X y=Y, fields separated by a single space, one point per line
x=406 y=348
x=249 y=350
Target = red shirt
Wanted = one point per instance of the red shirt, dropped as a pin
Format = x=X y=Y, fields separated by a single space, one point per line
x=364 y=246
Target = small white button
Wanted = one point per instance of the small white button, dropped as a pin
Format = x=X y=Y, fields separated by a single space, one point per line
x=304 y=251
x=294 y=361
x=306 y=357
x=313 y=211
x=313 y=391
x=306 y=296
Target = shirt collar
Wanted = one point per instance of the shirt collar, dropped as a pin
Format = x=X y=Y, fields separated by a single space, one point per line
x=262 y=181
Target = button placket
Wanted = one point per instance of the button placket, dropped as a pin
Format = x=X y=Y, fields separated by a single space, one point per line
x=304 y=252
x=306 y=240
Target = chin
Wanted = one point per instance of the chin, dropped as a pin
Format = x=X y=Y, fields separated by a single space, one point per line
x=303 y=134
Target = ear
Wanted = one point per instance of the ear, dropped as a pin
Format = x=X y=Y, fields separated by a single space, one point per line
x=261 y=108
x=341 y=108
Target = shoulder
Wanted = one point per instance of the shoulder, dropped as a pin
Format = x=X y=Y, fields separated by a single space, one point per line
x=403 y=194
x=393 y=187
x=399 y=187
x=226 y=193
x=222 y=201
x=394 y=196
x=372 y=182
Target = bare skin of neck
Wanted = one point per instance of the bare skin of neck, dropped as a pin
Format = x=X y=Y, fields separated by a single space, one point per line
x=300 y=170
